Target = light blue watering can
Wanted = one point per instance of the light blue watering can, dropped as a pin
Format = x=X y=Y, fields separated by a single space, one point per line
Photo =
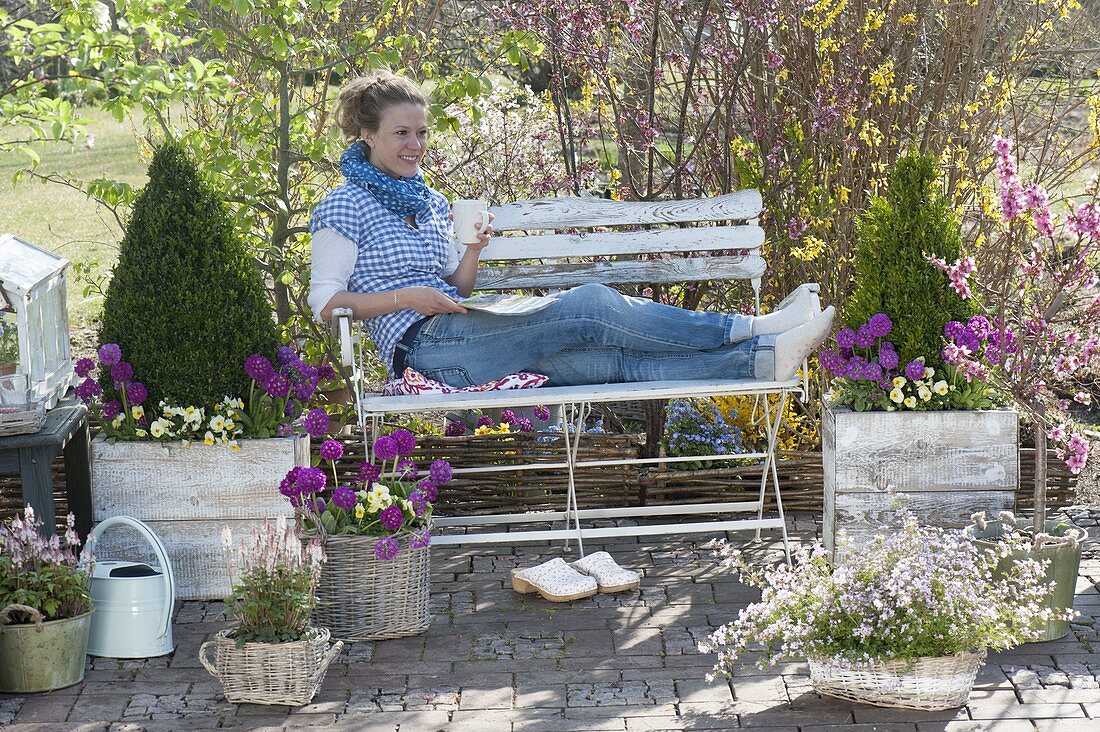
x=132 y=616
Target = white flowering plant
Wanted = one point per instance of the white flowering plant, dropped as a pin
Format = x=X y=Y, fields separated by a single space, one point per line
x=917 y=592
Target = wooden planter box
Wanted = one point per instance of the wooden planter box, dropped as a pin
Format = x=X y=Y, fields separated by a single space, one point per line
x=187 y=495
x=947 y=464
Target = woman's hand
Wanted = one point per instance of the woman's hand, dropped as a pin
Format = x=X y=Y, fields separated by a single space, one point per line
x=483 y=236
x=427 y=301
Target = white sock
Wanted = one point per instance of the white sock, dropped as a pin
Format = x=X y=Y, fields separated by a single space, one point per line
x=798 y=311
x=793 y=346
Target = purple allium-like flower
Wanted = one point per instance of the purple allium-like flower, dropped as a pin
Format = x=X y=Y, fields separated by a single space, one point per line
x=419 y=502
x=914 y=369
x=111 y=410
x=368 y=473
x=864 y=337
x=525 y=425
x=122 y=372
x=385 y=448
x=316 y=422
x=289 y=485
x=542 y=413
x=311 y=480
x=484 y=421
x=952 y=329
x=331 y=450
x=846 y=338
x=831 y=360
x=344 y=497
x=404 y=440
x=258 y=368
x=110 y=354
x=508 y=417
x=304 y=390
x=970 y=339
x=431 y=491
x=880 y=325
x=979 y=324
x=83 y=367
x=319 y=504
x=325 y=372
x=455 y=428
x=406 y=469
x=277 y=385
x=391 y=518
x=386 y=548
x=441 y=472
x=88 y=390
x=136 y=393
x=872 y=372
x=887 y=357
x=286 y=355
x=420 y=540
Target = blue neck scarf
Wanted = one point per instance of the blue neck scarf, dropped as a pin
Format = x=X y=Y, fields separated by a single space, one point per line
x=402 y=196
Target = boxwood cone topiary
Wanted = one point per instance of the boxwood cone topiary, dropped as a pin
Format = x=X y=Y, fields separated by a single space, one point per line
x=186 y=303
x=893 y=274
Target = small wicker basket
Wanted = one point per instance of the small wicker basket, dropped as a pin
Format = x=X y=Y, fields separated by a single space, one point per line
x=920 y=683
x=270 y=673
x=361 y=597
x=21 y=420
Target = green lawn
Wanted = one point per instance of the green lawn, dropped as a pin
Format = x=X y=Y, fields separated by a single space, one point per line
x=62 y=220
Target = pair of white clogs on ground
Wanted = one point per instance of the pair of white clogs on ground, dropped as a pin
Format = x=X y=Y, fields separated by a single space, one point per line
x=558 y=581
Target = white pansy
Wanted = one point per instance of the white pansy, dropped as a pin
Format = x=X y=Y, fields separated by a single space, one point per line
x=896 y=395
x=940 y=387
x=899 y=381
x=924 y=393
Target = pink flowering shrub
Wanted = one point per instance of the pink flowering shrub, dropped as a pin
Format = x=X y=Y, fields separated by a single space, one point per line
x=919 y=591
x=49 y=575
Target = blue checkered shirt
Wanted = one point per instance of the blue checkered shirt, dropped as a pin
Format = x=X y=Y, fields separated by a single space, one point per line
x=392 y=254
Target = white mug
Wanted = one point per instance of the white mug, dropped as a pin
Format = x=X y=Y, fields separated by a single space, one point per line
x=467 y=213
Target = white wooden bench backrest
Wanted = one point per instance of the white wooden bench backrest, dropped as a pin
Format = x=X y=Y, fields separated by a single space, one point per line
x=722 y=251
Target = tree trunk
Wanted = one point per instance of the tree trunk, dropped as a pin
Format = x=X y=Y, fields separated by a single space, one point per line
x=1040 y=478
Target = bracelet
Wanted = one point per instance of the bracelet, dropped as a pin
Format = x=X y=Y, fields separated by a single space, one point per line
x=395 y=299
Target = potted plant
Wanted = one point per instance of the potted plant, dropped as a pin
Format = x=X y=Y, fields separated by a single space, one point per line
x=1036 y=280
x=45 y=608
x=186 y=323
x=273 y=655
x=376 y=532
x=898 y=419
x=904 y=624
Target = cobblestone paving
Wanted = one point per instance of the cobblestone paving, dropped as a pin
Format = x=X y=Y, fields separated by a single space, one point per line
x=496 y=660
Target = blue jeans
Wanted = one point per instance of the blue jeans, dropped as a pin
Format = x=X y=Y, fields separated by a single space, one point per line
x=592 y=335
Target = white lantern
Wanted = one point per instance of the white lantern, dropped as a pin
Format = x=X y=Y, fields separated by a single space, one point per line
x=32 y=301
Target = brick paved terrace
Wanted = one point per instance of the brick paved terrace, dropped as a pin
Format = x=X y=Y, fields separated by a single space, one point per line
x=497 y=660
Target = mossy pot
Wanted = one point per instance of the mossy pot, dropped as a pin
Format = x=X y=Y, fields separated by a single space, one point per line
x=43 y=657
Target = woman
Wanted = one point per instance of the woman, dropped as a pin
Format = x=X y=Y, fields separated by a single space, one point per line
x=382 y=246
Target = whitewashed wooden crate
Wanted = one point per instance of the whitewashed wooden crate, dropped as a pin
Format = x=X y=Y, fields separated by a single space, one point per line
x=187 y=495
x=946 y=465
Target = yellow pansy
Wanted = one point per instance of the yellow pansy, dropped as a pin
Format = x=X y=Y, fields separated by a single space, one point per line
x=217 y=423
x=940 y=387
x=234 y=446
x=928 y=372
x=899 y=381
x=140 y=432
x=379 y=498
x=117 y=421
x=208 y=439
x=896 y=396
x=483 y=430
x=156 y=429
x=911 y=402
x=924 y=393
x=137 y=411
x=360 y=511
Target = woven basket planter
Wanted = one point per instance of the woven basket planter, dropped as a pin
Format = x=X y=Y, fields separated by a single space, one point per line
x=361 y=597
x=270 y=673
x=921 y=683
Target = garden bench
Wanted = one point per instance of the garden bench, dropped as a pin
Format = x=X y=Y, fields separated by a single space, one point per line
x=673 y=253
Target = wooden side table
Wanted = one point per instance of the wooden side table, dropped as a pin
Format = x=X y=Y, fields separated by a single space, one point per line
x=66 y=431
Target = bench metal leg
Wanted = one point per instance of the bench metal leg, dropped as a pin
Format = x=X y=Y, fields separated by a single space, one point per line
x=772 y=430
x=572 y=447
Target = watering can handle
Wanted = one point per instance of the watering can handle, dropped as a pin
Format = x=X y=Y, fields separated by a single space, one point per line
x=162 y=557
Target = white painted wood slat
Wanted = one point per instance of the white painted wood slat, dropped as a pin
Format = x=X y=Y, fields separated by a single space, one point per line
x=633 y=243
x=575 y=212
x=570 y=274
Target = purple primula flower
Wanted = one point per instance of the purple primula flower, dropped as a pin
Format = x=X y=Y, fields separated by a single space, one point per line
x=872 y=372
x=111 y=410
x=542 y=413
x=846 y=338
x=952 y=329
x=368 y=473
x=277 y=385
x=441 y=472
x=386 y=548
x=406 y=469
x=319 y=505
x=887 y=357
x=286 y=355
x=83 y=367
x=311 y=480
x=258 y=368
x=385 y=448
x=970 y=339
x=880 y=325
x=88 y=390
x=484 y=421
x=391 y=518
x=122 y=372
x=404 y=440
x=136 y=393
x=289 y=485
x=979 y=325
x=420 y=540
x=508 y=417
x=864 y=337
x=525 y=425
x=455 y=428
x=914 y=369
x=344 y=497
x=304 y=390
x=325 y=372
x=110 y=354
x=419 y=502
x=316 y=423
x=855 y=367
x=331 y=450
x=431 y=491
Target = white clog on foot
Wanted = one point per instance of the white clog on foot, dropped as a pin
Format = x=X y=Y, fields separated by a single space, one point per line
x=555 y=580
x=609 y=576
